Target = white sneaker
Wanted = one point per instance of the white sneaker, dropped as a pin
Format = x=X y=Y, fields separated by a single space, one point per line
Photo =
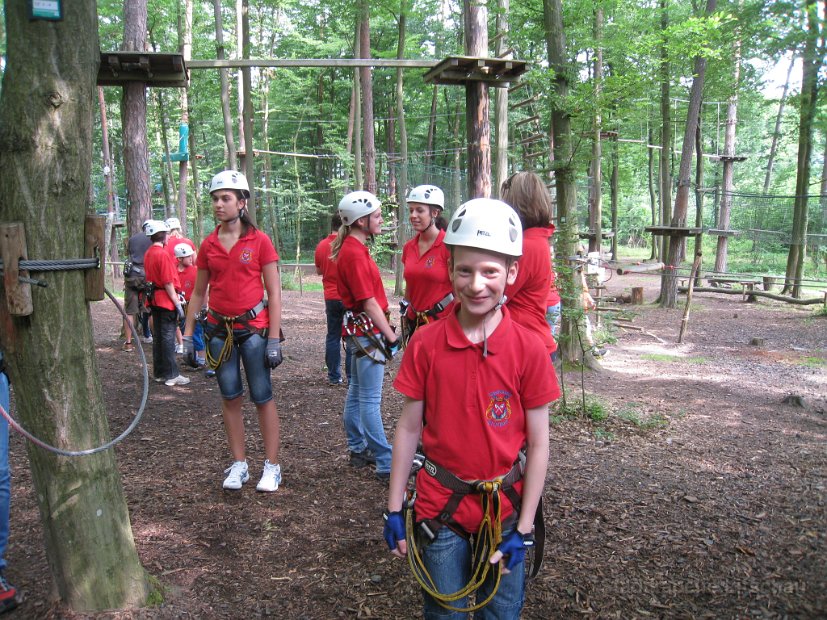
x=179 y=380
x=146 y=339
x=237 y=475
x=270 y=478
x=179 y=349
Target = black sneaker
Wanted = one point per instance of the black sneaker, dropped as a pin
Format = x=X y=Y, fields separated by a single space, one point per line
x=362 y=459
x=383 y=476
x=8 y=595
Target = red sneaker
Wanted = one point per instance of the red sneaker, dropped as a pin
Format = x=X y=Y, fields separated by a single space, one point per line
x=8 y=595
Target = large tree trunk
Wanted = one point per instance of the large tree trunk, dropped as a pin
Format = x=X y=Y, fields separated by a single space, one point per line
x=46 y=154
x=247 y=112
x=366 y=79
x=665 y=169
x=478 y=125
x=813 y=58
x=225 y=88
x=669 y=283
x=653 y=199
x=596 y=186
x=571 y=330
x=183 y=132
x=728 y=164
x=501 y=98
x=133 y=118
x=402 y=186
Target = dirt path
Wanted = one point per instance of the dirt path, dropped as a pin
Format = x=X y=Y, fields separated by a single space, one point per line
x=701 y=495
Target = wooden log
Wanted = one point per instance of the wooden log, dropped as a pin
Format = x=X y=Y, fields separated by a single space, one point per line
x=95 y=246
x=637 y=295
x=13 y=250
x=733 y=291
x=622 y=270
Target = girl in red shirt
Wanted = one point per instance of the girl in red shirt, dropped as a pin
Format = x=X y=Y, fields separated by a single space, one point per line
x=428 y=293
x=369 y=337
x=239 y=263
x=528 y=296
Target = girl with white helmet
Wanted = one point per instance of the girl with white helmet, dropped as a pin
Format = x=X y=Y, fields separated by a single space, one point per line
x=164 y=305
x=425 y=259
x=477 y=387
x=239 y=264
x=528 y=295
x=369 y=337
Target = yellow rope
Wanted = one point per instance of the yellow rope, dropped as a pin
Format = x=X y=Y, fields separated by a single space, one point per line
x=226 y=350
x=486 y=541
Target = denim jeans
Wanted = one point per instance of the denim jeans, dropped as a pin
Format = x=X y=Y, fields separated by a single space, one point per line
x=197 y=335
x=248 y=348
x=5 y=472
x=363 y=408
x=448 y=561
x=164 y=324
x=553 y=318
x=335 y=311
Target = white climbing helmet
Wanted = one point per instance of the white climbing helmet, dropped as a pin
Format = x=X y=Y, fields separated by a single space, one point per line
x=230 y=179
x=155 y=226
x=146 y=223
x=182 y=250
x=427 y=195
x=173 y=223
x=486 y=224
x=357 y=204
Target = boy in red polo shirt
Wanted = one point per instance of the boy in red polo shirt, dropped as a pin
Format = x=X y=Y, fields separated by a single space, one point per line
x=477 y=387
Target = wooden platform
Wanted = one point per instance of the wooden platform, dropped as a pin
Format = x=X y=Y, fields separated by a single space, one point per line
x=590 y=234
x=670 y=231
x=151 y=68
x=460 y=70
x=718 y=232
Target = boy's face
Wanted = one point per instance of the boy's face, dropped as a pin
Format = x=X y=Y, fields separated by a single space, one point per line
x=186 y=261
x=480 y=278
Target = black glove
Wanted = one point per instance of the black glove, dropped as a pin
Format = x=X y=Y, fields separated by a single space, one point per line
x=189 y=352
x=403 y=307
x=272 y=356
x=180 y=310
x=394 y=528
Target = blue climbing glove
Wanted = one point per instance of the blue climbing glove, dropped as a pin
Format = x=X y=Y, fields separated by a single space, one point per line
x=272 y=356
x=513 y=548
x=189 y=352
x=394 y=528
x=393 y=347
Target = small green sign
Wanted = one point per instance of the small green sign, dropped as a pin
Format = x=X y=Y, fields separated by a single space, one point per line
x=46 y=9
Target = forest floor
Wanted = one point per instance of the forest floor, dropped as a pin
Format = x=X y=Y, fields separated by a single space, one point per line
x=700 y=494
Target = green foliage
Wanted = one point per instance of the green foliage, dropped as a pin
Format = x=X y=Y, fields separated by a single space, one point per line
x=813 y=362
x=633 y=412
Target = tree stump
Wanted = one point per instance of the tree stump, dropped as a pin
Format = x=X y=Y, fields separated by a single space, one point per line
x=769 y=282
x=757 y=342
x=637 y=295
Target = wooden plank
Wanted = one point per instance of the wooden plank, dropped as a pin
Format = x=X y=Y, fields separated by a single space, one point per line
x=525 y=121
x=94 y=247
x=13 y=250
x=525 y=102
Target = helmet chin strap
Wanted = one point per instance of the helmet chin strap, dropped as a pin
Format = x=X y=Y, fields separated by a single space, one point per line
x=491 y=313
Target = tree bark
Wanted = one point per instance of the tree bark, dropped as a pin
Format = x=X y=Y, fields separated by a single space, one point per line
x=108 y=173
x=596 y=186
x=699 y=194
x=183 y=140
x=653 y=200
x=477 y=118
x=665 y=162
x=669 y=283
x=776 y=134
x=46 y=138
x=501 y=98
x=247 y=112
x=225 y=88
x=366 y=79
x=402 y=186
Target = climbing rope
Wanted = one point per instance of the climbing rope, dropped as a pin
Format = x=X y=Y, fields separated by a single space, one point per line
x=39 y=442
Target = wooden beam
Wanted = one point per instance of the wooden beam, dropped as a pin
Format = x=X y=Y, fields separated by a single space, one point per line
x=236 y=63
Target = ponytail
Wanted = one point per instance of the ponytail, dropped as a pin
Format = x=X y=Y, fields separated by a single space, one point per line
x=336 y=245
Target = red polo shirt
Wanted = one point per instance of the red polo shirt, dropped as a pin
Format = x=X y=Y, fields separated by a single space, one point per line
x=359 y=277
x=235 y=276
x=474 y=416
x=330 y=272
x=426 y=276
x=187 y=279
x=528 y=296
x=160 y=270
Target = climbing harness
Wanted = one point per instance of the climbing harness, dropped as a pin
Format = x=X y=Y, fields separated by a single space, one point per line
x=423 y=317
x=214 y=330
x=483 y=543
x=377 y=348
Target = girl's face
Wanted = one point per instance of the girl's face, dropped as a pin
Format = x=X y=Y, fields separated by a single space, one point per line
x=479 y=279
x=420 y=216
x=374 y=226
x=226 y=205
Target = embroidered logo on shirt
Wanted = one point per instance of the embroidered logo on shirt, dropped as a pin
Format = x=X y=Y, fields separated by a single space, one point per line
x=429 y=262
x=498 y=410
x=246 y=255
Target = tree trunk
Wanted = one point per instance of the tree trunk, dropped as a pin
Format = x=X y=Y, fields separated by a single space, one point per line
x=699 y=194
x=168 y=182
x=429 y=147
x=501 y=98
x=366 y=79
x=46 y=149
x=812 y=60
x=614 y=189
x=776 y=134
x=133 y=115
x=669 y=283
x=572 y=329
x=665 y=164
x=108 y=173
x=653 y=201
x=402 y=186
x=247 y=112
x=728 y=164
x=357 y=114
x=225 y=88
x=477 y=118
x=183 y=131
x=596 y=186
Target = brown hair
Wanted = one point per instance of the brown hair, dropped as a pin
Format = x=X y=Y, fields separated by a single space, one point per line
x=336 y=245
x=528 y=195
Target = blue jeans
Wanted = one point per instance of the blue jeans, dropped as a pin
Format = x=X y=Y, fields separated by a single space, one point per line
x=448 y=561
x=248 y=348
x=363 y=408
x=197 y=335
x=164 y=324
x=553 y=318
x=335 y=310
x=5 y=472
